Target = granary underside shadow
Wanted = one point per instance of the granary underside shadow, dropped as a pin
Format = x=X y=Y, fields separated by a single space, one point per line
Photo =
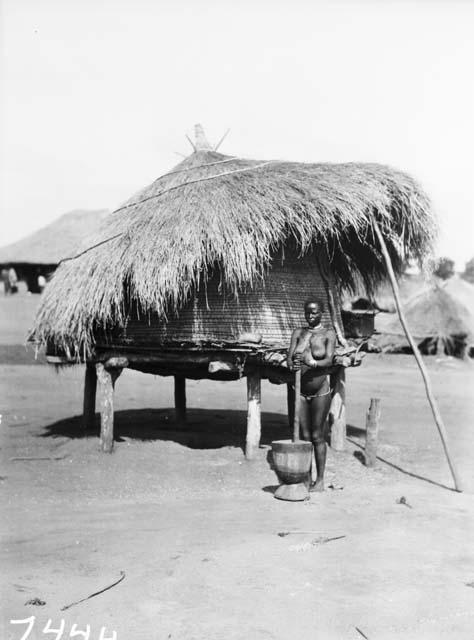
x=204 y=428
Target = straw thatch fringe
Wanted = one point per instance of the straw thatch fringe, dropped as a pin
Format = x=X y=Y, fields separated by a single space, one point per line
x=169 y=236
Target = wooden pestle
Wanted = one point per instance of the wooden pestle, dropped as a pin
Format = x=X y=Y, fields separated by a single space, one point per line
x=296 y=421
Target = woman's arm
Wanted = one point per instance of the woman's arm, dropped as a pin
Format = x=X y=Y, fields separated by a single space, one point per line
x=291 y=351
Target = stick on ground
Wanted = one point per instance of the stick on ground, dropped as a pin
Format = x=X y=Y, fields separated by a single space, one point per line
x=38 y=458
x=283 y=534
x=68 y=606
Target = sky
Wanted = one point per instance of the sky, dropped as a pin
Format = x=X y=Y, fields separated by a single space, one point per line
x=97 y=96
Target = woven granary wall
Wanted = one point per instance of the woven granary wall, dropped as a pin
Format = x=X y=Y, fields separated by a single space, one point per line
x=273 y=308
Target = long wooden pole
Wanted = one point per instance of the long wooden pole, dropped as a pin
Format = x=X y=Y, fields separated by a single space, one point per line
x=296 y=420
x=426 y=379
x=290 y=404
x=324 y=271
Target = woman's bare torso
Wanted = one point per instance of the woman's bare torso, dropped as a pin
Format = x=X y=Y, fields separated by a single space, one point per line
x=312 y=344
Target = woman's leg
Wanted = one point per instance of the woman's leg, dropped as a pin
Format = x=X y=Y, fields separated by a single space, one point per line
x=319 y=413
x=305 y=427
x=305 y=419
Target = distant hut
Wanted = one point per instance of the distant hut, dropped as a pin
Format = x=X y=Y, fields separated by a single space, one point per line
x=203 y=273
x=39 y=253
x=462 y=291
x=441 y=319
x=409 y=284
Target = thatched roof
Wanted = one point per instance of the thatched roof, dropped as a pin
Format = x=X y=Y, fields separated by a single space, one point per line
x=231 y=212
x=436 y=312
x=382 y=298
x=55 y=241
x=462 y=291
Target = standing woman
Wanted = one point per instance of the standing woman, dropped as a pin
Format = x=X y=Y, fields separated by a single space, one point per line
x=312 y=351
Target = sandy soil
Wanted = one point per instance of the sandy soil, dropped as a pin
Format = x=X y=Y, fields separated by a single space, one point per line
x=195 y=527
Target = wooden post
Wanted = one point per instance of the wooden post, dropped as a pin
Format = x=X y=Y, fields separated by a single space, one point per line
x=372 y=432
x=337 y=410
x=440 y=347
x=180 y=398
x=290 y=403
x=324 y=270
x=107 y=378
x=253 y=414
x=296 y=410
x=90 y=388
x=419 y=360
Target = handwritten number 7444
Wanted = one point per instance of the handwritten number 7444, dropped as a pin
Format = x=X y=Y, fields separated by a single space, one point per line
x=73 y=633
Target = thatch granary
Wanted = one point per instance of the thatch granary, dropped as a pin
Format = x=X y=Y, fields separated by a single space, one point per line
x=203 y=273
x=40 y=252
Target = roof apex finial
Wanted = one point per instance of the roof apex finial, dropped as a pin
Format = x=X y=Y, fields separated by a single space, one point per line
x=201 y=143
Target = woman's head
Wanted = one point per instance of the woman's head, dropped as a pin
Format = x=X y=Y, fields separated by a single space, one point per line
x=313 y=311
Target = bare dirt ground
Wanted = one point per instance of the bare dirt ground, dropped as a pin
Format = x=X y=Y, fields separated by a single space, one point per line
x=194 y=527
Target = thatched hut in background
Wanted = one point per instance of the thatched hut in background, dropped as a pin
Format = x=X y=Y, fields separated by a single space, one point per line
x=39 y=253
x=441 y=319
x=382 y=299
x=203 y=274
x=462 y=291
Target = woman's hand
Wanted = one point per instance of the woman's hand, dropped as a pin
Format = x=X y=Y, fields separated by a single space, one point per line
x=297 y=359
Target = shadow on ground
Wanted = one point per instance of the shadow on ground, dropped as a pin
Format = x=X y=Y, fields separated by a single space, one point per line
x=204 y=428
x=360 y=456
x=355 y=432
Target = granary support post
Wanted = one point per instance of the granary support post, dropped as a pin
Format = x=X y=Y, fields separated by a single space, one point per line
x=337 y=410
x=107 y=375
x=253 y=414
x=180 y=398
x=90 y=389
